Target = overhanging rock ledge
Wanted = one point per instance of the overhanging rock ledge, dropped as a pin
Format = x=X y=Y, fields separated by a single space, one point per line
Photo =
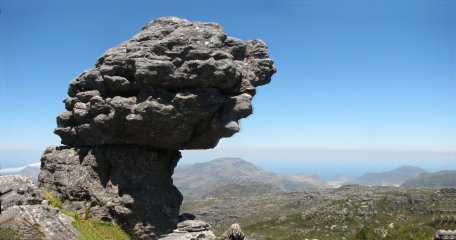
x=175 y=85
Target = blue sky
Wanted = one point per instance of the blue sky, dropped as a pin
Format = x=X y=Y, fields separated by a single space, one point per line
x=375 y=78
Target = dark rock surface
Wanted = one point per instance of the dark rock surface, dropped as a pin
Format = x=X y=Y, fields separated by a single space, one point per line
x=175 y=85
x=24 y=210
x=186 y=216
x=102 y=180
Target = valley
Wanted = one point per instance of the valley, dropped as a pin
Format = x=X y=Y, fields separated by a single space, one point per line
x=348 y=212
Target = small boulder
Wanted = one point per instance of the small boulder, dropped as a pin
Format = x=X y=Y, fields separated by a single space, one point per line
x=234 y=232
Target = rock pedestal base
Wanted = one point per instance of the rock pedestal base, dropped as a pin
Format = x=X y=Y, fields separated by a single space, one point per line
x=127 y=184
x=175 y=85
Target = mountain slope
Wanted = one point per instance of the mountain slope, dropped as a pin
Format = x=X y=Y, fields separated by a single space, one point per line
x=390 y=178
x=441 y=179
x=243 y=190
x=201 y=178
x=31 y=171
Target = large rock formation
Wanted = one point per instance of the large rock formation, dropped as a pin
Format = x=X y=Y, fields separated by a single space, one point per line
x=175 y=85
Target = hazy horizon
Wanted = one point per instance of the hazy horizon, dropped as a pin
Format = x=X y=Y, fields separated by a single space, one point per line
x=324 y=163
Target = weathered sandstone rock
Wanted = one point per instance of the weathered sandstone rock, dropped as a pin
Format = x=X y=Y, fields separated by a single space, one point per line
x=190 y=230
x=175 y=85
x=129 y=184
x=24 y=210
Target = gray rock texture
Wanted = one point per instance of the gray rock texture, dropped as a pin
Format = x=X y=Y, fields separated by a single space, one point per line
x=129 y=184
x=191 y=230
x=234 y=232
x=24 y=210
x=175 y=85
x=445 y=234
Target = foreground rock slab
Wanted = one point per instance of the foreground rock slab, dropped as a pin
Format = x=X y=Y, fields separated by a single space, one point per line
x=24 y=210
x=191 y=229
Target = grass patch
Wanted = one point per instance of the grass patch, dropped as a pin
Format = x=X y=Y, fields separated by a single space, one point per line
x=93 y=229
x=363 y=233
x=411 y=231
x=15 y=234
x=9 y=234
x=53 y=199
x=89 y=228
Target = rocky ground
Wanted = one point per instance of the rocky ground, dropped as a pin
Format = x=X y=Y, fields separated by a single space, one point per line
x=349 y=212
x=26 y=214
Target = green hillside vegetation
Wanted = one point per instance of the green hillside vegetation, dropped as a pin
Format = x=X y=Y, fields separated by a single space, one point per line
x=440 y=179
x=385 y=218
x=390 y=178
x=233 y=190
x=351 y=212
x=9 y=234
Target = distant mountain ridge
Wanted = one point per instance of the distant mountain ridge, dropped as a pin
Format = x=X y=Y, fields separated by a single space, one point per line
x=18 y=169
x=225 y=175
x=441 y=179
x=31 y=171
x=394 y=177
x=201 y=178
